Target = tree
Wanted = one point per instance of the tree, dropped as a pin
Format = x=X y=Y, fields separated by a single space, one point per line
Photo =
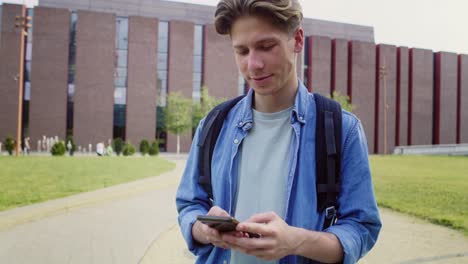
x=201 y=109
x=118 y=145
x=343 y=100
x=144 y=147
x=178 y=115
x=128 y=149
x=154 y=148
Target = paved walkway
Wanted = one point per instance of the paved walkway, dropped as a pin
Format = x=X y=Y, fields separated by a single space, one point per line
x=137 y=223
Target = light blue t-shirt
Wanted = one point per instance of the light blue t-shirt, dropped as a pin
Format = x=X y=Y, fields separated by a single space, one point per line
x=263 y=169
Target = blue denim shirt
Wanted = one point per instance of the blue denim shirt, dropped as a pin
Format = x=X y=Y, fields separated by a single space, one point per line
x=358 y=222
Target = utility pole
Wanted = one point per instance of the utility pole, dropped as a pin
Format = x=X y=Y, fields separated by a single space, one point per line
x=22 y=22
x=383 y=75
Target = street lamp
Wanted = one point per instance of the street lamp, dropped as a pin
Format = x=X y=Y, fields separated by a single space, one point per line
x=383 y=75
x=22 y=22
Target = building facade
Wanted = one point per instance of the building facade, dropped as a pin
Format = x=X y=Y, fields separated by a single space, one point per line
x=98 y=70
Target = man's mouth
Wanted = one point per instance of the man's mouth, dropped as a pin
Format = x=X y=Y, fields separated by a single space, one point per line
x=261 y=78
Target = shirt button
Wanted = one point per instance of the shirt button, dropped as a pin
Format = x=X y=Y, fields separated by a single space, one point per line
x=241 y=123
x=301 y=118
x=224 y=261
x=236 y=141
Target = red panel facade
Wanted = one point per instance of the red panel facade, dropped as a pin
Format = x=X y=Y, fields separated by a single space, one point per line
x=421 y=97
x=94 y=78
x=180 y=75
x=49 y=74
x=339 y=81
x=446 y=98
x=219 y=58
x=320 y=54
x=463 y=98
x=401 y=137
x=10 y=53
x=363 y=64
x=386 y=64
x=141 y=90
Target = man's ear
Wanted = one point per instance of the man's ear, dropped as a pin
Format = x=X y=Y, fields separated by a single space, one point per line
x=298 y=40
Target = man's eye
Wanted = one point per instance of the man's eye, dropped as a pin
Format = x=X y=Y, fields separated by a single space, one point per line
x=267 y=47
x=242 y=52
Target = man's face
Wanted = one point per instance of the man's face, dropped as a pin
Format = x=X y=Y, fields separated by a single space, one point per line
x=265 y=54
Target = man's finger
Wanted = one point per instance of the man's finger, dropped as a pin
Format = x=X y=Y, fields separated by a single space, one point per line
x=262 y=217
x=256 y=228
x=218 y=211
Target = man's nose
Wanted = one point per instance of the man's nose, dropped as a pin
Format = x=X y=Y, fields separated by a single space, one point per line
x=255 y=62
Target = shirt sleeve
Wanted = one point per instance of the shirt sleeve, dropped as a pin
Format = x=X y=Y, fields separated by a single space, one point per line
x=192 y=200
x=358 y=224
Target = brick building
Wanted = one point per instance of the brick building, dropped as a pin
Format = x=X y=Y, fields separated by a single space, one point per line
x=101 y=69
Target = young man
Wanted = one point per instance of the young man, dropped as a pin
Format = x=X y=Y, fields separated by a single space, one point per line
x=263 y=165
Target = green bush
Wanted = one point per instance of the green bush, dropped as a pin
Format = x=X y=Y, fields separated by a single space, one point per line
x=58 y=149
x=144 y=147
x=154 y=149
x=343 y=100
x=9 y=145
x=118 y=145
x=128 y=149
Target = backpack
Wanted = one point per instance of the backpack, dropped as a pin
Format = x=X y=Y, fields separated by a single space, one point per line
x=327 y=151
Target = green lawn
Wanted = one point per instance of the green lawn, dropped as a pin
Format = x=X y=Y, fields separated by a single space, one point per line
x=27 y=180
x=430 y=187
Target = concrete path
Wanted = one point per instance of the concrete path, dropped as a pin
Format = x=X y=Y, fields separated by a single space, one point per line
x=113 y=225
x=137 y=223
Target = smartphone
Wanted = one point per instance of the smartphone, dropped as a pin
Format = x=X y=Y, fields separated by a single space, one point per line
x=220 y=223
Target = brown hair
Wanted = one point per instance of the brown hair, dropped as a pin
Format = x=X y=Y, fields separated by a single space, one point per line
x=285 y=14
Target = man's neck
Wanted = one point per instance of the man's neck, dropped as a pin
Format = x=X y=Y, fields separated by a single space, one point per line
x=279 y=101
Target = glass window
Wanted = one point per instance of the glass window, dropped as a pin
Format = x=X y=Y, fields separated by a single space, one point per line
x=305 y=65
x=30 y=13
x=72 y=49
x=198 y=40
x=119 y=121
x=163 y=36
x=197 y=82
x=162 y=62
x=120 y=78
x=71 y=91
x=162 y=75
x=119 y=95
x=27 y=91
x=122 y=33
x=27 y=75
x=28 y=51
x=197 y=64
x=121 y=53
x=122 y=58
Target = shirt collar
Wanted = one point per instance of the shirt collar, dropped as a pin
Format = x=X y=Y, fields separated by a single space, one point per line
x=298 y=112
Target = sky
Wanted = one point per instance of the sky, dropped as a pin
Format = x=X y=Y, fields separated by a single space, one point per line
x=431 y=24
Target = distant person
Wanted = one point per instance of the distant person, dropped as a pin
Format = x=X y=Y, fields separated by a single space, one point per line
x=100 y=149
x=109 y=150
x=70 y=148
x=27 y=146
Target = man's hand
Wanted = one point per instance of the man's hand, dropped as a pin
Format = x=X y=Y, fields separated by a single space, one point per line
x=277 y=238
x=205 y=234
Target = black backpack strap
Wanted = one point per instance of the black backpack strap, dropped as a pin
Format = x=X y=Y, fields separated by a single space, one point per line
x=328 y=156
x=208 y=137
